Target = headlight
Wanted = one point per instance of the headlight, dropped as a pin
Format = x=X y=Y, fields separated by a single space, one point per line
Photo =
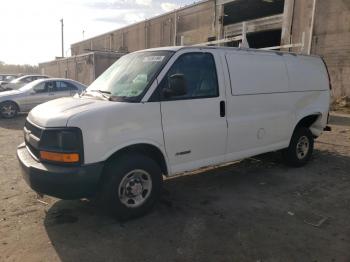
x=61 y=145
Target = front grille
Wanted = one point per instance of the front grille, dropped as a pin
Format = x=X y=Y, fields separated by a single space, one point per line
x=33 y=150
x=36 y=131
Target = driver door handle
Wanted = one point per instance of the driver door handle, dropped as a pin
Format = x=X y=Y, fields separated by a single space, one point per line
x=222 y=109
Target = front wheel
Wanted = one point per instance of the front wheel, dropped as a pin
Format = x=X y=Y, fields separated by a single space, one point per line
x=300 y=148
x=131 y=185
x=8 y=109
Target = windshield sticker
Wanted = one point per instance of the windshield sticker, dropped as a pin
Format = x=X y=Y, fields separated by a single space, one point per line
x=148 y=59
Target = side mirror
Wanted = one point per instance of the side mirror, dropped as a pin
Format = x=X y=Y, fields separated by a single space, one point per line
x=177 y=86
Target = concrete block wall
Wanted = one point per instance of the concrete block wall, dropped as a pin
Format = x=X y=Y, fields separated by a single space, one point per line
x=331 y=39
x=193 y=22
x=79 y=68
x=83 y=68
x=330 y=35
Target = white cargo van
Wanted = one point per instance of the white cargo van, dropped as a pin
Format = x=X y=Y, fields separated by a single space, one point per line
x=168 y=110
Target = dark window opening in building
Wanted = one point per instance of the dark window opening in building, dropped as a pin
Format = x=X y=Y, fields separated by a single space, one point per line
x=210 y=39
x=261 y=39
x=233 y=44
x=264 y=39
x=244 y=10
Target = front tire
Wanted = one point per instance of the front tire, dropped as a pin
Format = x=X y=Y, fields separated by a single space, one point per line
x=8 y=110
x=131 y=185
x=300 y=148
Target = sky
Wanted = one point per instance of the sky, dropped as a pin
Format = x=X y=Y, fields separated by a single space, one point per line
x=30 y=30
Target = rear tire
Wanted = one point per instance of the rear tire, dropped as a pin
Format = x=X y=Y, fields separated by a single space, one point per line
x=300 y=148
x=8 y=109
x=130 y=187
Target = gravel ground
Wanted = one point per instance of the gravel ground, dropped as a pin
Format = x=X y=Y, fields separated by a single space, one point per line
x=254 y=210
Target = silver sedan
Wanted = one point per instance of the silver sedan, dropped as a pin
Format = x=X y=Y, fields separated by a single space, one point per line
x=17 y=83
x=35 y=93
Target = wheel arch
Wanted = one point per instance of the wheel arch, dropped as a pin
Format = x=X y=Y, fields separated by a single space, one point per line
x=311 y=121
x=11 y=101
x=144 y=148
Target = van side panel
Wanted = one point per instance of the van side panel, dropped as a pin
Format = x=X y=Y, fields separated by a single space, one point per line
x=259 y=113
x=265 y=101
x=308 y=76
x=306 y=73
x=252 y=73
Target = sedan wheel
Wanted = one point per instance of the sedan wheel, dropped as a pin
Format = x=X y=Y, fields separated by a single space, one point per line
x=8 y=110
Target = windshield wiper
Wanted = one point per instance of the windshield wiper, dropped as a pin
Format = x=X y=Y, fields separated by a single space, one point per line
x=102 y=92
x=123 y=99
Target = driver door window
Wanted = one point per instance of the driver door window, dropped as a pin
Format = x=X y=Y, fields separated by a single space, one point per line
x=41 y=88
x=199 y=72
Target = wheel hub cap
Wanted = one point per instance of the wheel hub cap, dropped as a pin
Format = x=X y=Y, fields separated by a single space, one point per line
x=135 y=188
x=8 y=110
x=302 y=147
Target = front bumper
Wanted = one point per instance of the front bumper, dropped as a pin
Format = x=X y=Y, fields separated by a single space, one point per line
x=64 y=182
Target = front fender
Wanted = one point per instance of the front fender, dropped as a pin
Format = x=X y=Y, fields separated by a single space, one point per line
x=120 y=147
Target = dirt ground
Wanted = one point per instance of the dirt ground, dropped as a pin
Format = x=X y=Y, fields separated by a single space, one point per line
x=254 y=210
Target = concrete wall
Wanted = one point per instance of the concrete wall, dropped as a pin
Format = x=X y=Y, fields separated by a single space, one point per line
x=102 y=61
x=78 y=68
x=331 y=39
x=83 y=68
x=328 y=35
x=194 y=23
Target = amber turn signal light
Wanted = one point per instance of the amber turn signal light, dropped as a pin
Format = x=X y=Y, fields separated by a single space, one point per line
x=59 y=157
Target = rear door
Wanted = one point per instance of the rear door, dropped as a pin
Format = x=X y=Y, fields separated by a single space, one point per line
x=194 y=124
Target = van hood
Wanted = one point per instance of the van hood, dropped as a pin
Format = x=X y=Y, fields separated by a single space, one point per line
x=56 y=113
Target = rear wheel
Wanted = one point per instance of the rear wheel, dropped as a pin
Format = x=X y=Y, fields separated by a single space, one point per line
x=131 y=185
x=8 y=109
x=300 y=148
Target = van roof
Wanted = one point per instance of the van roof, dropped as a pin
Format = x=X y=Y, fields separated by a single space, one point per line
x=177 y=48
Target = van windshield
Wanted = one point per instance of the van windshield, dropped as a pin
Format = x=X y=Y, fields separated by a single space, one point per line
x=129 y=78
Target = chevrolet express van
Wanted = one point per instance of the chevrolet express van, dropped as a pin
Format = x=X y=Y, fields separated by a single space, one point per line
x=168 y=110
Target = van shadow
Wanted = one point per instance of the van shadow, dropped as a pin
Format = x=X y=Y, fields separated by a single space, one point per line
x=15 y=123
x=237 y=212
